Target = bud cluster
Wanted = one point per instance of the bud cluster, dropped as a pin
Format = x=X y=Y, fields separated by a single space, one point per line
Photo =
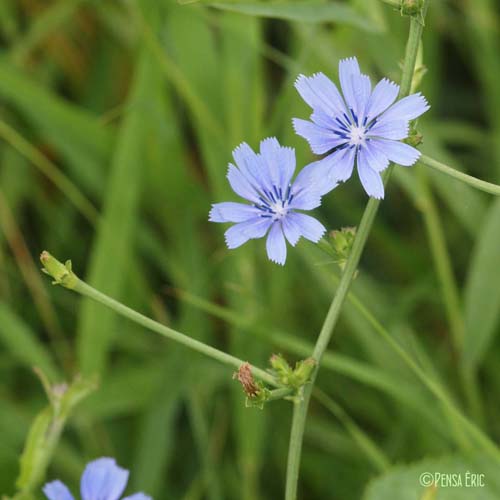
x=292 y=377
x=340 y=244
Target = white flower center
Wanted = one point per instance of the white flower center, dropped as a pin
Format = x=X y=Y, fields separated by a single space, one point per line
x=357 y=135
x=280 y=210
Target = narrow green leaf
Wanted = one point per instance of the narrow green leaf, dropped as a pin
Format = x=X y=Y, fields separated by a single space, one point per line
x=113 y=245
x=308 y=12
x=23 y=344
x=74 y=132
x=482 y=291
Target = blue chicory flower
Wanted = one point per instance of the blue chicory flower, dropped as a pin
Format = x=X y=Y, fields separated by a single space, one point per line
x=363 y=125
x=265 y=179
x=102 y=479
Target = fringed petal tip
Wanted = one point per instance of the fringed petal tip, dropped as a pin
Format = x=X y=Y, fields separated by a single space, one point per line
x=279 y=262
x=350 y=60
x=242 y=147
x=213 y=215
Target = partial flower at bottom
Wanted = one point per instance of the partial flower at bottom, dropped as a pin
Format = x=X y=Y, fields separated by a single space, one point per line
x=102 y=479
x=265 y=180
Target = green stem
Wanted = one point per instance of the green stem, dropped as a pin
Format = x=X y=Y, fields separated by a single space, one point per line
x=333 y=362
x=487 y=187
x=63 y=275
x=85 y=289
x=300 y=409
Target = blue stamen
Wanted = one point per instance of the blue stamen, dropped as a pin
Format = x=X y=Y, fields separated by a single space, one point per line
x=355 y=117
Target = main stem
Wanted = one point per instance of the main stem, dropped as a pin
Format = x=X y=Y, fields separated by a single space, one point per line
x=300 y=408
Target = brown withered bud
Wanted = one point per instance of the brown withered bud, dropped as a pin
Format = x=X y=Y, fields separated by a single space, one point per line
x=245 y=377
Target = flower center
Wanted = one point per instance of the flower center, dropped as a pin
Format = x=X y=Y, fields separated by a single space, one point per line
x=357 y=135
x=280 y=209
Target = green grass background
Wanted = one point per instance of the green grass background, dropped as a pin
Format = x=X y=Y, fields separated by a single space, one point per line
x=117 y=122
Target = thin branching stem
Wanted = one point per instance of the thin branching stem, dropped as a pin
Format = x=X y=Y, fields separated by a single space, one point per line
x=221 y=356
x=487 y=187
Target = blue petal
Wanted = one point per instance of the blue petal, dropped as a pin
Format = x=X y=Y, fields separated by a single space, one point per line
x=308 y=226
x=371 y=180
x=348 y=68
x=276 y=245
x=249 y=164
x=244 y=231
x=320 y=139
x=308 y=177
x=56 y=490
x=342 y=164
x=407 y=108
x=287 y=162
x=334 y=168
x=374 y=156
x=321 y=94
x=240 y=185
x=102 y=479
x=389 y=129
x=306 y=187
x=362 y=89
x=232 y=212
x=270 y=154
x=138 y=496
x=291 y=229
x=279 y=163
x=324 y=120
x=383 y=95
x=398 y=152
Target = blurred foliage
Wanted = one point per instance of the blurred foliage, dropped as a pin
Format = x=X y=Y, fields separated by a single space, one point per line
x=117 y=121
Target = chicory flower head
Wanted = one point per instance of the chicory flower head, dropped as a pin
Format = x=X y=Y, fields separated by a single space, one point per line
x=102 y=479
x=363 y=125
x=265 y=180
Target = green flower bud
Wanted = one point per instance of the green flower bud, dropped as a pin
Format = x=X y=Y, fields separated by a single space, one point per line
x=411 y=7
x=340 y=244
x=303 y=371
x=62 y=273
x=279 y=364
x=414 y=139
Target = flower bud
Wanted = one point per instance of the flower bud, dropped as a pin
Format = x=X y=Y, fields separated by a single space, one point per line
x=411 y=7
x=303 y=371
x=414 y=139
x=341 y=244
x=279 y=363
x=62 y=273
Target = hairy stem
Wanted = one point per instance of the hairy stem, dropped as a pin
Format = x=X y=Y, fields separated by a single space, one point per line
x=300 y=409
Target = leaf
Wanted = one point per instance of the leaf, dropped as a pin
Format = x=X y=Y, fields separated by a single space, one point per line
x=405 y=483
x=23 y=343
x=76 y=133
x=482 y=291
x=307 y=12
x=112 y=247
